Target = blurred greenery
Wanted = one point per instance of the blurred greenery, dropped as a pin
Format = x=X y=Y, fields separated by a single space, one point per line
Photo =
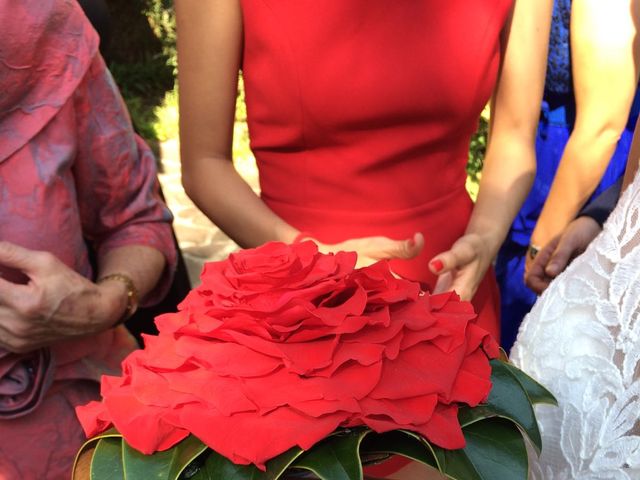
x=142 y=58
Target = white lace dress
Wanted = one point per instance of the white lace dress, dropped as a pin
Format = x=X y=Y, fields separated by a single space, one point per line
x=582 y=341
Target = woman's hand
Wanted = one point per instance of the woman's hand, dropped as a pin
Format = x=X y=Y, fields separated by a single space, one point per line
x=463 y=267
x=373 y=249
x=557 y=254
x=55 y=303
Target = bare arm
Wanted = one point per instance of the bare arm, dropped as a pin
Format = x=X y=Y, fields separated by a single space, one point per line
x=510 y=164
x=605 y=58
x=209 y=53
x=634 y=158
x=208 y=88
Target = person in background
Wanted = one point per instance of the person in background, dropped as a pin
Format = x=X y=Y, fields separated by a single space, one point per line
x=71 y=171
x=583 y=138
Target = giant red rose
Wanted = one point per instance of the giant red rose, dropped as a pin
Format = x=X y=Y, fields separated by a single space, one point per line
x=281 y=345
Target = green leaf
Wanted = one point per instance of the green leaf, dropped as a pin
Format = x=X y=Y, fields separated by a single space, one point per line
x=495 y=450
x=400 y=442
x=92 y=442
x=218 y=467
x=507 y=399
x=166 y=465
x=336 y=458
x=107 y=459
x=536 y=392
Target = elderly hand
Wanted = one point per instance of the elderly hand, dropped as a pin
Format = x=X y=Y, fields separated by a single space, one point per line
x=463 y=267
x=372 y=249
x=559 y=252
x=55 y=303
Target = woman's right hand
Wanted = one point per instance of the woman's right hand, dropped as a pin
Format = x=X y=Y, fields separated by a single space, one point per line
x=373 y=249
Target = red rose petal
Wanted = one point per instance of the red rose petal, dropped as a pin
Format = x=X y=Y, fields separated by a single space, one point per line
x=281 y=344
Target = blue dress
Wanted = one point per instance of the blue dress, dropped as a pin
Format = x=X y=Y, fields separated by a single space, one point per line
x=557 y=118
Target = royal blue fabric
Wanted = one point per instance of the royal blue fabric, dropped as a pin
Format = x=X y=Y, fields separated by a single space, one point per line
x=557 y=118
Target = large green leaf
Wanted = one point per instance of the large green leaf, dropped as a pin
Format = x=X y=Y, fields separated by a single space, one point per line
x=92 y=442
x=107 y=459
x=166 y=465
x=336 y=458
x=217 y=467
x=400 y=442
x=507 y=399
x=536 y=392
x=495 y=450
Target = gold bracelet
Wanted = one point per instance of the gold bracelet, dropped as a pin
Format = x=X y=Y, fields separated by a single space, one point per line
x=132 y=294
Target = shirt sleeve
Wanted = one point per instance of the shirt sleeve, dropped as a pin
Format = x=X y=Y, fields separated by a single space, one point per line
x=116 y=177
x=601 y=207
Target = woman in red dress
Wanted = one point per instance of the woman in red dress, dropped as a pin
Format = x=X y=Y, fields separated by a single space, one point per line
x=360 y=114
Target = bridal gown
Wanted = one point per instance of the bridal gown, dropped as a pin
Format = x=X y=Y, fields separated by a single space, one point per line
x=582 y=341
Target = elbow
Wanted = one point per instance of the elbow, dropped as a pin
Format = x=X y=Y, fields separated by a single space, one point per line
x=602 y=137
x=189 y=184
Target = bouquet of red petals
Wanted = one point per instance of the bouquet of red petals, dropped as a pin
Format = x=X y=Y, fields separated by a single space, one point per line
x=286 y=360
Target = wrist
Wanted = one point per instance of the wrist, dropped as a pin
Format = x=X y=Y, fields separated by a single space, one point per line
x=119 y=298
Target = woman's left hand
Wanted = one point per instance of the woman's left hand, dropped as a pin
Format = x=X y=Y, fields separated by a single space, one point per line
x=55 y=302
x=463 y=267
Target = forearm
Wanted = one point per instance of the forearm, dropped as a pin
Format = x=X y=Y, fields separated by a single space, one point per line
x=143 y=265
x=584 y=162
x=220 y=192
x=509 y=170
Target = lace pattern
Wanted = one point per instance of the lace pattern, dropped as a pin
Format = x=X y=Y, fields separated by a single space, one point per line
x=582 y=341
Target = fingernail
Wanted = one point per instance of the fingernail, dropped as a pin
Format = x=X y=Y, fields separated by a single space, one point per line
x=437 y=265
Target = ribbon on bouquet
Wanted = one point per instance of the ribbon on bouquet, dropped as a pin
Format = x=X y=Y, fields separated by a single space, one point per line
x=24 y=379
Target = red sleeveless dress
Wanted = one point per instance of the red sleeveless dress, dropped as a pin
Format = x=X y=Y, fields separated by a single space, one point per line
x=360 y=114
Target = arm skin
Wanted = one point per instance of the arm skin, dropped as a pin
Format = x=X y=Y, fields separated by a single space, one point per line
x=510 y=164
x=633 y=162
x=575 y=238
x=605 y=57
x=208 y=89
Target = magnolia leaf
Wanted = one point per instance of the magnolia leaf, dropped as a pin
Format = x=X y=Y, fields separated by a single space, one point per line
x=336 y=458
x=400 y=442
x=107 y=459
x=217 y=467
x=495 y=450
x=165 y=465
x=507 y=400
x=91 y=444
x=536 y=392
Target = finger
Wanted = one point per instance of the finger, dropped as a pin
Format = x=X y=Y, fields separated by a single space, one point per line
x=561 y=256
x=15 y=256
x=11 y=293
x=537 y=281
x=460 y=255
x=444 y=283
x=14 y=337
x=383 y=248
